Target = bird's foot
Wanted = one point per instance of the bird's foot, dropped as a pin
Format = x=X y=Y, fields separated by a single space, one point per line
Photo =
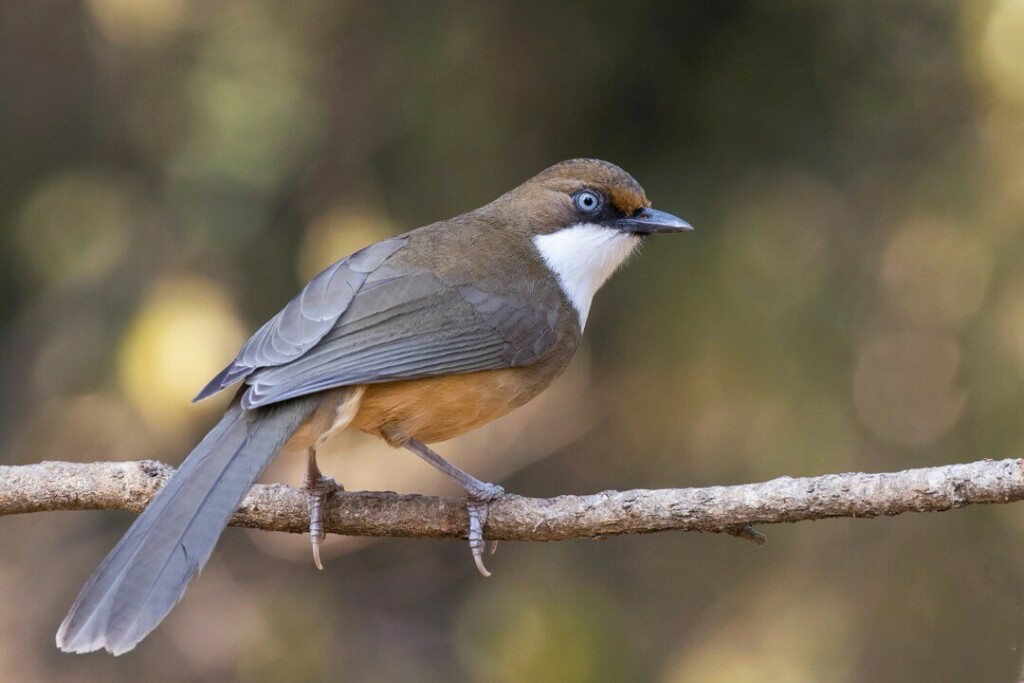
x=319 y=488
x=479 y=497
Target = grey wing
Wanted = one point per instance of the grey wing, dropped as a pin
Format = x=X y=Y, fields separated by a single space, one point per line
x=307 y=317
x=409 y=325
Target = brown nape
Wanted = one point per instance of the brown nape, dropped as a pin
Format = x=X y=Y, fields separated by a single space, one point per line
x=620 y=187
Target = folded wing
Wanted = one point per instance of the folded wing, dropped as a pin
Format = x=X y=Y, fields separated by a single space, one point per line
x=368 y=319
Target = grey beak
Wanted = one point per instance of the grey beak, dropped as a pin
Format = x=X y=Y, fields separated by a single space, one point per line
x=649 y=221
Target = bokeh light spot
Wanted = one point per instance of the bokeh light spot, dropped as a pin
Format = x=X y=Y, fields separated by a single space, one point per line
x=1011 y=325
x=338 y=233
x=185 y=332
x=526 y=633
x=777 y=252
x=792 y=631
x=130 y=22
x=934 y=274
x=251 y=114
x=1002 y=50
x=74 y=228
x=903 y=387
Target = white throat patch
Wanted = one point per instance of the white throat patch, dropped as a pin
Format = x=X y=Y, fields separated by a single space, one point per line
x=583 y=257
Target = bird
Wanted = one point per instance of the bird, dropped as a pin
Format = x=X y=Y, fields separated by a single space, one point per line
x=415 y=339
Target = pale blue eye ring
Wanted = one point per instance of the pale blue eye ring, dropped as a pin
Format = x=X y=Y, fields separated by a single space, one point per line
x=588 y=201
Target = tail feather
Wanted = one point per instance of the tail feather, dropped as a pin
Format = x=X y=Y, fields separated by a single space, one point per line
x=146 y=573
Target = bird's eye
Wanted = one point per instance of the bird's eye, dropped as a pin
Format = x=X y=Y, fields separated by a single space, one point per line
x=588 y=201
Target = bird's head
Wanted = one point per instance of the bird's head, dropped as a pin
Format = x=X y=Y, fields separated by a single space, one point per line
x=592 y=192
x=585 y=217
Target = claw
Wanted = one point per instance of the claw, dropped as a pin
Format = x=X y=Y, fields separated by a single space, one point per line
x=480 y=565
x=316 y=552
x=478 y=495
x=316 y=532
x=477 y=518
x=318 y=487
x=317 y=494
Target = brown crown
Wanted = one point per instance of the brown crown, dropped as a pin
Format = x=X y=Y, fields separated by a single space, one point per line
x=621 y=189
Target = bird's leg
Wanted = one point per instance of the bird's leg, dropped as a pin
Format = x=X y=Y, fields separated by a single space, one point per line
x=319 y=488
x=479 y=495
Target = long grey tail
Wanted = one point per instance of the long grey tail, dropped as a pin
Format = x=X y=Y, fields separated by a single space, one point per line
x=146 y=573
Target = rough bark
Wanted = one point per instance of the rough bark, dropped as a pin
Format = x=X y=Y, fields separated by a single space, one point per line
x=730 y=509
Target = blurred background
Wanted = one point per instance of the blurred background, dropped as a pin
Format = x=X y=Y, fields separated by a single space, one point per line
x=172 y=171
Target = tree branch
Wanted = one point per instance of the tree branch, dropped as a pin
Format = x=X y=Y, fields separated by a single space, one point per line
x=730 y=509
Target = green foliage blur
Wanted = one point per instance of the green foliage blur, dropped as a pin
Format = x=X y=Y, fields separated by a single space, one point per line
x=171 y=171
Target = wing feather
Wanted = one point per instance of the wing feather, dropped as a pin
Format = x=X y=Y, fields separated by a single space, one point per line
x=307 y=317
x=368 y=319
